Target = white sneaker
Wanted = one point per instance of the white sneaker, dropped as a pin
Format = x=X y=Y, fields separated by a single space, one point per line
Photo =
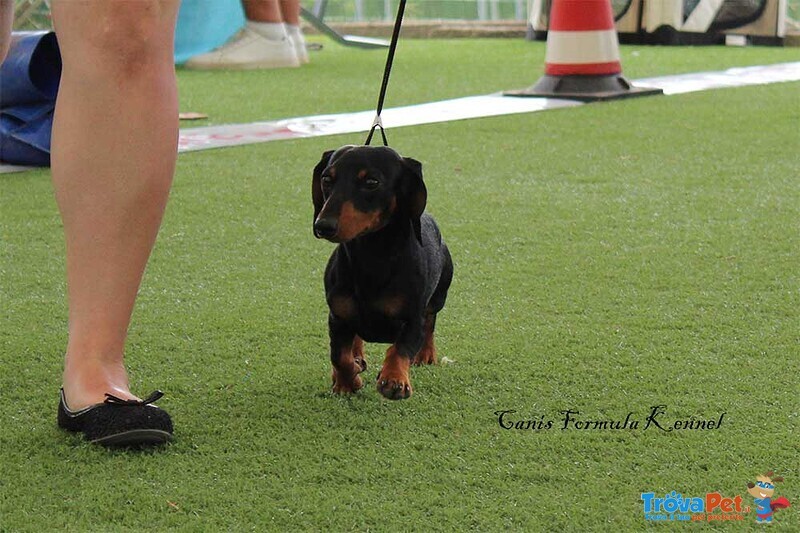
x=248 y=49
x=299 y=43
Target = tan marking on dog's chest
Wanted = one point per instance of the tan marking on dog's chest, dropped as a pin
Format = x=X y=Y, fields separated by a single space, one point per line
x=343 y=307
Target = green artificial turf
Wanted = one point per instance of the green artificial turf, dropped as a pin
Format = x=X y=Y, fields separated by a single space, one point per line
x=609 y=258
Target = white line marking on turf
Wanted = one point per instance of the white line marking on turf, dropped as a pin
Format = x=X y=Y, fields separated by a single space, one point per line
x=293 y=128
x=462 y=108
x=733 y=77
x=491 y=105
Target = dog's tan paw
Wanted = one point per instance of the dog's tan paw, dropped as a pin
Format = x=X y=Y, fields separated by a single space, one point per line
x=393 y=380
x=346 y=384
x=426 y=356
x=345 y=373
x=360 y=361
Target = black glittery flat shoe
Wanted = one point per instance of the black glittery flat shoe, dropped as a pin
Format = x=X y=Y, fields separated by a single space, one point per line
x=118 y=422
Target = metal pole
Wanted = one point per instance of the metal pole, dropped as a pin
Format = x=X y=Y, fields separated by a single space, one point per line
x=319 y=8
x=519 y=10
x=483 y=10
x=495 y=9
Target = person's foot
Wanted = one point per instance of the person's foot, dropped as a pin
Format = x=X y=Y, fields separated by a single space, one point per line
x=299 y=43
x=251 y=48
x=117 y=422
x=96 y=401
x=87 y=381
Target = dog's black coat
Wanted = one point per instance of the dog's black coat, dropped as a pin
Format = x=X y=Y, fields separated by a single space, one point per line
x=390 y=274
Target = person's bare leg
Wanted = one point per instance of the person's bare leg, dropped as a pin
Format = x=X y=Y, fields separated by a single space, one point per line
x=262 y=11
x=6 y=21
x=113 y=157
x=290 y=9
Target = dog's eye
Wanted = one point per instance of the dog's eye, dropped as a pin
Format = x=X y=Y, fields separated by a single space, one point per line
x=371 y=184
x=326 y=181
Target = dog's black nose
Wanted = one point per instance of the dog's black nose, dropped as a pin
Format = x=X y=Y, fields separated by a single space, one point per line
x=325 y=228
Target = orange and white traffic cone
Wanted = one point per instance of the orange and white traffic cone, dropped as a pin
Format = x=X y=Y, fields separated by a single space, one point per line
x=582 y=59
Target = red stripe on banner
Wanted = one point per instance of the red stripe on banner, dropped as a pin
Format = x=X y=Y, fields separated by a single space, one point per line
x=583 y=69
x=581 y=15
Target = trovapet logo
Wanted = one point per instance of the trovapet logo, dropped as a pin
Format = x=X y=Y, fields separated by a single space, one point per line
x=676 y=507
x=713 y=506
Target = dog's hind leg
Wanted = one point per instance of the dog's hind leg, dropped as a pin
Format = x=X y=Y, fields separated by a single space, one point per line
x=427 y=355
x=347 y=358
x=439 y=296
x=359 y=356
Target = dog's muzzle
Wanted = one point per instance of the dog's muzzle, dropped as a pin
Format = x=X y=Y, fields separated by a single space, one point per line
x=326 y=228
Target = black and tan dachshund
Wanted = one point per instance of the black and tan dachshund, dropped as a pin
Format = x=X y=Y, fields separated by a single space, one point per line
x=389 y=276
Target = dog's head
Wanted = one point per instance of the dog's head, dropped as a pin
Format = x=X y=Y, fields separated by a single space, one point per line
x=764 y=487
x=359 y=189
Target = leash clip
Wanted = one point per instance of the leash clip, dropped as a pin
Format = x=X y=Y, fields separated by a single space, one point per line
x=377 y=123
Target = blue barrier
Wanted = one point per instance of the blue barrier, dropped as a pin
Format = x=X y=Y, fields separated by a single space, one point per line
x=204 y=25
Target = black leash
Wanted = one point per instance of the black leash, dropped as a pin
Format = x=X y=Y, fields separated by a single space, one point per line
x=386 y=73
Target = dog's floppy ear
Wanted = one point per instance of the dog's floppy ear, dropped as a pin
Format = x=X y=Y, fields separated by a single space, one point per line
x=415 y=195
x=316 y=185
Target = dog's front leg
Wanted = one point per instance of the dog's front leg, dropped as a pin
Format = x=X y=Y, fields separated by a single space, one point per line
x=393 y=379
x=347 y=357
